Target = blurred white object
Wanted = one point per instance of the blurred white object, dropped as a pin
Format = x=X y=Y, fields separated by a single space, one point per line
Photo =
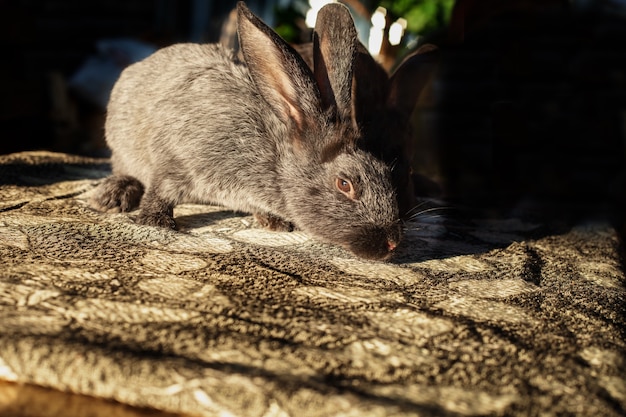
x=95 y=78
x=316 y=5
x=377 y=31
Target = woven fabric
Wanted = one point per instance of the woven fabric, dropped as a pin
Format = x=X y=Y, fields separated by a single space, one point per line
x=500 y=317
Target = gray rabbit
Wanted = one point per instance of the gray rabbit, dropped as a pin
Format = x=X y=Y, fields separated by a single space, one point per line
x=192 y=123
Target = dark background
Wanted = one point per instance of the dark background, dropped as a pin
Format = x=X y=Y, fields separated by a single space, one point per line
x=527 y=113
x=44 y=44
x=532 y=116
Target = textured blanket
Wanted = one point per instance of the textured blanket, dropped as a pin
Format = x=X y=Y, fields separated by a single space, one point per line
x=223 y=318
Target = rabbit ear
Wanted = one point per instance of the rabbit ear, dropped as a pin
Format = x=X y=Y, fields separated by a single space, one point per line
x=279 y=73
x=410 y=78
x=335 y=43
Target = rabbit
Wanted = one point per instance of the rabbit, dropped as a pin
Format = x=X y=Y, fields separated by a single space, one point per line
x=383 y=106
x=388 y=134
x=192 y=123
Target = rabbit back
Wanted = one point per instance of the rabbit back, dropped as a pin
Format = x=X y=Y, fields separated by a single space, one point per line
x=180 y=117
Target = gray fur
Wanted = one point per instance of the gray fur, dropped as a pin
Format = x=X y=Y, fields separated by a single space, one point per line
x=192 y=123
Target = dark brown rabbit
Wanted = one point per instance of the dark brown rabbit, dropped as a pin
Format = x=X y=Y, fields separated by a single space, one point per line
x=388 y=134
x=383 y=106
x=192 y=123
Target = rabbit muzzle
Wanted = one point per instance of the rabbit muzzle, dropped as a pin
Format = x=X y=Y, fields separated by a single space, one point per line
x=375 y=242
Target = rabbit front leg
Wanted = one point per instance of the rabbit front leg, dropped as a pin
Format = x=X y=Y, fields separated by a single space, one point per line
x=154 y=210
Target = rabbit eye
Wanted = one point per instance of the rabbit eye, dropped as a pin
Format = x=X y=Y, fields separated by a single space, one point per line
x=345 y=186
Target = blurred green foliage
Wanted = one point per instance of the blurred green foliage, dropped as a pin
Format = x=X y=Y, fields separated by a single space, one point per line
x=286 y=24
x=423 y=16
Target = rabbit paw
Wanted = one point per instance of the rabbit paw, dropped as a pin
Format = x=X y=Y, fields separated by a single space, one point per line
x=118 y=193
x=155 y=211
x=157 y=219
x=275 y=223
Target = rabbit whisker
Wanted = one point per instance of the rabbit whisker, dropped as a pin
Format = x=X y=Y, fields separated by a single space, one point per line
x=412 y=210
x=414 y=216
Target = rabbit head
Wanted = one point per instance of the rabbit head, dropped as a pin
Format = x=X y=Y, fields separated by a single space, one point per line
x=344 y=196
